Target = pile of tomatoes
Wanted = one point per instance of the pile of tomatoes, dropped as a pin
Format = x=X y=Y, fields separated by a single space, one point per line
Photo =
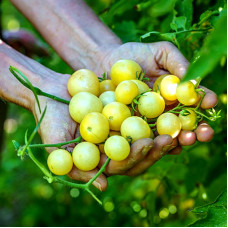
x=116 y=112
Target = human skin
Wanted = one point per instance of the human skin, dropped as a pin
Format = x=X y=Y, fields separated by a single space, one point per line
x=79 y=43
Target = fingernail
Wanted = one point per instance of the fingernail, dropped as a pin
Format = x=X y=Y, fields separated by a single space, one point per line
x=146 y=149
x=98 y=185
x=166 y=148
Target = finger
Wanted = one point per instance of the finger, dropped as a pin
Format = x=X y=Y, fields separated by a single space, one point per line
x=101 y=182
x=162 y=144
x=139 y=150
x=177 y=150
x=204 y=132
x=187 y=138
x=172 y=60
x=210 y=99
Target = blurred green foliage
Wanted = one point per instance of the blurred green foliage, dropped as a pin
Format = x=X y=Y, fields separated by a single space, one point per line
x=178 y=190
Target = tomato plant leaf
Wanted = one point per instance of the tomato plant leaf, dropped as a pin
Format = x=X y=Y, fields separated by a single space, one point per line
x=213 y=50
x=178 y=23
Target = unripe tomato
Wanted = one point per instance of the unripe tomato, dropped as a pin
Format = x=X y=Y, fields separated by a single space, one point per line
x=111 y=133
x=60 y=162
x=151 y=104
x=116 y=113
x=126 y=91
x=186 y=93
x=83 y=103
x=168 y=124
x=124 y=69
x=135 y=128
x=86 y=156
x=107 y=85
x=188 y=122
x=142 y=86
x=94 y=127
x=107 y=97
x=83 y=81
x=117 y=148
x=168 y=87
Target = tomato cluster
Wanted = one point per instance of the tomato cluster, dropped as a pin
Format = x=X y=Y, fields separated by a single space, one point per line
x=116 y=112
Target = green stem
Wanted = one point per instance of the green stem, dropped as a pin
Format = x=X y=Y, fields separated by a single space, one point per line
x=53 y=97
x=94 y=196
x=77 y=140
x=194 y=30
x=98 y=173
x=69 y=184
x=202 y=96
x=152 y=125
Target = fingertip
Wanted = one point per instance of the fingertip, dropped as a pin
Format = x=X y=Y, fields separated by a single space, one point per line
x=187 y=138
x=177 y=150
x=204 y=132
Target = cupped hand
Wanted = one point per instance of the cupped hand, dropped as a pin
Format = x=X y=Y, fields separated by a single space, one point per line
x=156 y=59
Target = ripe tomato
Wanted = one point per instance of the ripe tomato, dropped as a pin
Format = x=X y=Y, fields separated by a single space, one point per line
x=111 y=133
x=116 y=113
x=186 y=93
x=188 y=122
x=94 y=127
x=107 y=97
x=83 y=103
x=168 y=87
x=126 y=91
x=86 y=156
x=60 y=162
x=107 y=85
x=124 y=69
x=142 y=86
x=135 y=128
x=151 y=104
x=157 y=83
x=168 y=124
x=117 y=148
x=83 y=81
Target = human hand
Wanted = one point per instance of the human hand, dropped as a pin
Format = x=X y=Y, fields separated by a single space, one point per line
x=157 y=59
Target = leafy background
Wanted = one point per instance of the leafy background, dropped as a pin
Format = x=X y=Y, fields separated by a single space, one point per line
x=184 y=190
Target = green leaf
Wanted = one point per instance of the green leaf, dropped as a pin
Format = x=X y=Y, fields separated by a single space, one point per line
x=213 y=214
x=157 y=36
x=178 y=23
x=212 y=51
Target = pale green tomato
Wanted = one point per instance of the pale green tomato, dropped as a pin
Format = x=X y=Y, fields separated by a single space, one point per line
x=188 y=122
x=168 y=124
x=60 y=162
x=126 y=91
x=83 y=103
x=186 y=93
x=151 y=105
x=124 y=69
x=116 y=113
x=117 y=148
x=86 y=156
x=83 y=81
x=94 y=127
x=135 y=128
x=142 y=86
x=107 y=97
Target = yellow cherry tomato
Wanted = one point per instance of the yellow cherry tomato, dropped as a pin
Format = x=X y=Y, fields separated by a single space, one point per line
x=126 y=91
x=135 y=128
x=86 y=156
x=83 y=103
x=168 y=87
x=188 y=122
x=60 y=162
x=107 y=85
x=142 y=86
x=116 y=113
x=94 y=127
x=186 y=93
x=107 y=97
x=83 y=81
x=111 y=133
x=117 y=148
x=151 y=105
x=168 y=124
x=157 y=83
x=124 y=69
